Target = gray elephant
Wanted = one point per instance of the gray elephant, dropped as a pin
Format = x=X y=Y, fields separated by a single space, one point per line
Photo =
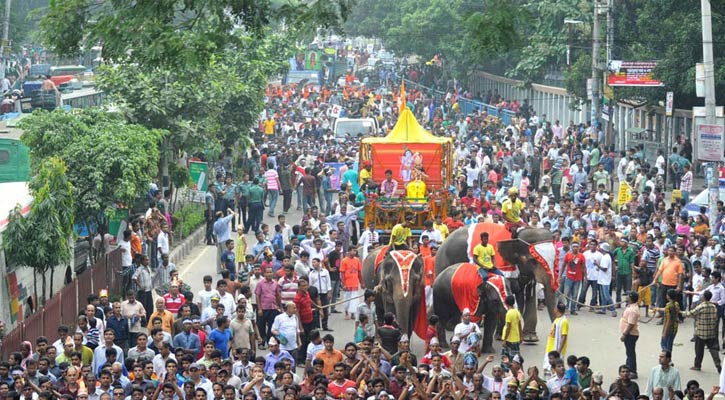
x=531 y=248
x=447 y=310
x=399 y=285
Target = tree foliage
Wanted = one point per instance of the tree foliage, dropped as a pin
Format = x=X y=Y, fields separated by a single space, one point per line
x=200 y=106
x=176 y=32
x=109 y=161
x=527 y=39
x=41 y=240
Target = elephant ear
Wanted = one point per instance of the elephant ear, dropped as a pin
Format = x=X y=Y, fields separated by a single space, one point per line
x=512 y=250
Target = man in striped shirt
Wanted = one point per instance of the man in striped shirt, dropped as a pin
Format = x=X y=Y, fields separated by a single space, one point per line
x=288 y=282
x=273 y=186
x=686 y=183
x=368 y=238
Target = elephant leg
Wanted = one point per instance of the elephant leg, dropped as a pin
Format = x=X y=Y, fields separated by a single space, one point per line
x=490 y=323
x=441 y=328
x=530 y=317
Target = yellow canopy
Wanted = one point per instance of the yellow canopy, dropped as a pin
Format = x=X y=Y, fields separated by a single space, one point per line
x=407 y=130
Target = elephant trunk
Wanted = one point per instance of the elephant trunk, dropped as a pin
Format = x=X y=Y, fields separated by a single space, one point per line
x=405 y=313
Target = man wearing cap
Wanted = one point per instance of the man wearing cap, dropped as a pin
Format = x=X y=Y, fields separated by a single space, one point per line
x=275 y=355
x=513 y=211
x=454 y=354
x=187 y=340
x=404 y=346
x=468 y=332
x=604 y=278
x=199 y=381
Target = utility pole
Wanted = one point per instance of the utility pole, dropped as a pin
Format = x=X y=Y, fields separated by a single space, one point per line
x=710 y=102
x=610 y=44
x=596 y=71
x=6 y=33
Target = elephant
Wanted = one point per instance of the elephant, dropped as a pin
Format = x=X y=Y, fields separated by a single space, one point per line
x=444 y=305
x=514 y=252
x=392 y=293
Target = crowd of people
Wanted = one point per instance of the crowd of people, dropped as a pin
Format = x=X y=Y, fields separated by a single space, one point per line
x=260 y=327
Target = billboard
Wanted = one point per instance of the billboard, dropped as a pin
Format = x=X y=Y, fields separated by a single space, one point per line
x=306 y=60
x=710 y=142
x=632 y=73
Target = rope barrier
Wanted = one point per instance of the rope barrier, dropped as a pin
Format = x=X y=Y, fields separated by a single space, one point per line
x=339 y=302
x=614 y=304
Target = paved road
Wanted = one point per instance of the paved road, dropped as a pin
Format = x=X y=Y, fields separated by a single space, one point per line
x=595 y=336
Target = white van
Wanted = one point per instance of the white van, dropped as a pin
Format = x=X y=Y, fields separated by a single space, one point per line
x=355 y=128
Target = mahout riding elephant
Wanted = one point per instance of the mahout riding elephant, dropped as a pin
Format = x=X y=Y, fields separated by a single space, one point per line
x=399 y=285
x=532 y=252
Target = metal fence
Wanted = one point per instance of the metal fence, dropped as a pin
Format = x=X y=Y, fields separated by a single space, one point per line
x=556 y=103
x=468 y=106
x=63 y=306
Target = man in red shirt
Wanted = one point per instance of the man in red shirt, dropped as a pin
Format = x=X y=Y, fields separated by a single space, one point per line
x=339 y=384
x=429 y=274
x=573 y=274
x=303 y=301
x=174 y=300
x=468 y=201
x=453 y=222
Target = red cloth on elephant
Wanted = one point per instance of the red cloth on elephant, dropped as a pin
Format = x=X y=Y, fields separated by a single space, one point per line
x=496 y=233
x=464 y=286
x=380 y=256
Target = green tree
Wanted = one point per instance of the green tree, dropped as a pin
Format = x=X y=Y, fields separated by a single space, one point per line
x=109 y=161
x=176 y=32
x=41 y=240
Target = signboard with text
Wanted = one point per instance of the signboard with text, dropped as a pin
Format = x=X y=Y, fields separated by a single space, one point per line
x=632 y=73
x=197 y=172
x=710 y=142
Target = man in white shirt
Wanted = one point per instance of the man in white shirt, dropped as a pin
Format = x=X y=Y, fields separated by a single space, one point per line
x=604 y=278
x=206 y=294
x=320 y=279
x=467 y=331
x=287 y=328
x=593 y=259
x=314 y=247
x=162 y=241
x=433 y=234
x=367 y=239
x=622 y=167
x=125 y=246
